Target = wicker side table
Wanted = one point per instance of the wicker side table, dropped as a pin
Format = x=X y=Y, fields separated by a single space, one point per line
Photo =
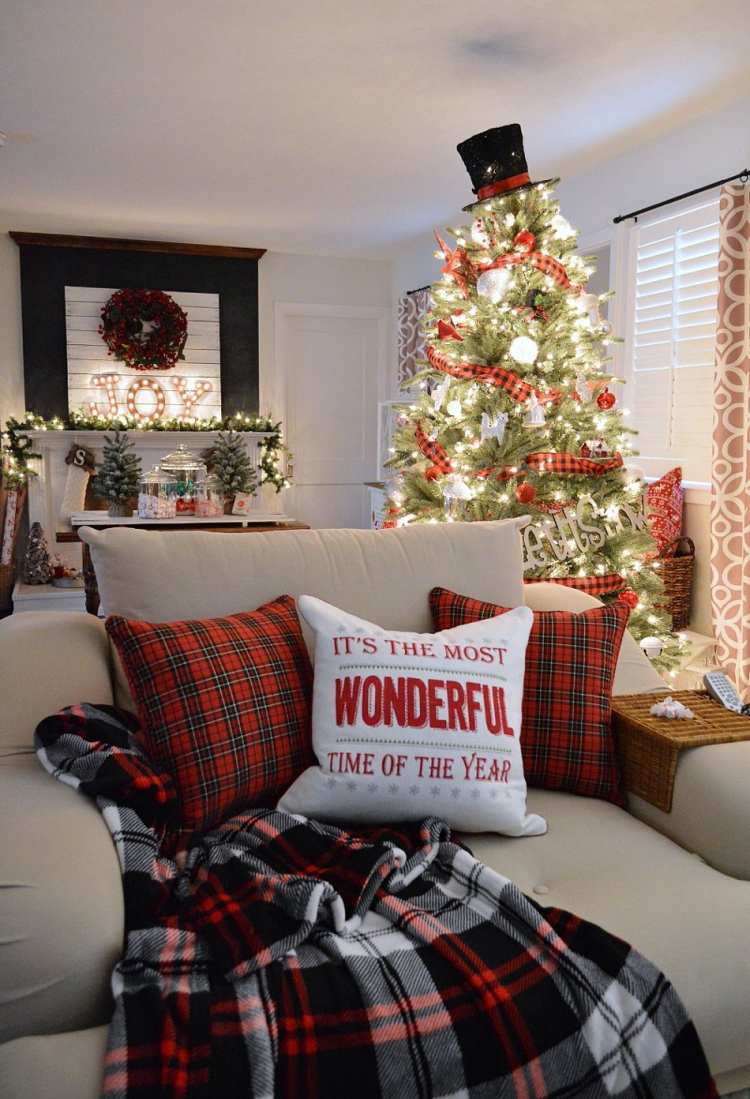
x=648 y=747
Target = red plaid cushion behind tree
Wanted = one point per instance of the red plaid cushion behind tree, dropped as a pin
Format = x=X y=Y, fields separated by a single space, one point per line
x=224 y=704
x=664 y=503
x=566 y=737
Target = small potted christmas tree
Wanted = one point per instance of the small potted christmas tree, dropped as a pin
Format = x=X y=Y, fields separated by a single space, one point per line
x=229 y=462
x=119 y=474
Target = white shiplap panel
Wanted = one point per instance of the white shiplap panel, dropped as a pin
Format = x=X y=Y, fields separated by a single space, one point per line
x=200 y=334
x=101 y=294
x=87 y=314
x=87 y=353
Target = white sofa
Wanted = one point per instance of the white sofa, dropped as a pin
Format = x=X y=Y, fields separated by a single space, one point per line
x=675 y=885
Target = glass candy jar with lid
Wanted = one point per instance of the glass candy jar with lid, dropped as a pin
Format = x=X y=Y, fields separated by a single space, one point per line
x=189 y=473
x=210 y=500
x=157 y=495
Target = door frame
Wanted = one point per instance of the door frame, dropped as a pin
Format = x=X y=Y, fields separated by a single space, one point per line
x=283 y=310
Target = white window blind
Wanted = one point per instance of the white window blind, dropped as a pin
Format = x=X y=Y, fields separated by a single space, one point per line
x=672 y=338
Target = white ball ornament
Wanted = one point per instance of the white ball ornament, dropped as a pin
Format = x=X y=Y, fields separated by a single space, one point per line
x=561 y=227
x=524 y=350
x=454 y=408
x=494 y=284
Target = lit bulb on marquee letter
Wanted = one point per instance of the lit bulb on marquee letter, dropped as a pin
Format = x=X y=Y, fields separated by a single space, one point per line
x=109 y=383
x=190 y=398
x=159 y=403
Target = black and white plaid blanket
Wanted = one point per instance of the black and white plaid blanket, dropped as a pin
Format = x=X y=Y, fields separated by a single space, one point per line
x=275 y=957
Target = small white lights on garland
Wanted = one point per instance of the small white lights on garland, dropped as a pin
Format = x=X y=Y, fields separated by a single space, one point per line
x=16 y=444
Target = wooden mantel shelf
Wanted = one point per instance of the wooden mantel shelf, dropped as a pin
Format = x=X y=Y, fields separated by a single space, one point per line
x=121 y=244
x=102 y=519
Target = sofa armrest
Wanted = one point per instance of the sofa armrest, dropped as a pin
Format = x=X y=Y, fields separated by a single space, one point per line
x=61 y=905
x=635 y=674
x=48 y=660
x=710 y=808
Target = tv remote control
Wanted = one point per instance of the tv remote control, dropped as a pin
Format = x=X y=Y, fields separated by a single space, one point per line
x=721 y=688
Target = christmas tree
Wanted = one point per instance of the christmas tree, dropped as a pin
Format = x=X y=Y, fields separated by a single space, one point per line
x=117 y=478
x=229 y=461
x=517 y=412
x=36 y=563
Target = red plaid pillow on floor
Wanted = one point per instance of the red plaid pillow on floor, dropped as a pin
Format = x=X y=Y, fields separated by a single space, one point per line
x=566 y=737
x=664 y=504
x=224 y=704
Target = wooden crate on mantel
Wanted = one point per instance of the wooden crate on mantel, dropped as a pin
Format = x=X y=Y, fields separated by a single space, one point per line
x=649 y=746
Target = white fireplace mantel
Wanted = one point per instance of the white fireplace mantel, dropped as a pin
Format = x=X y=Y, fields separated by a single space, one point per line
x=45 y=489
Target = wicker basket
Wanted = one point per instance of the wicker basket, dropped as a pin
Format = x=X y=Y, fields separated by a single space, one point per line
x=648 y=747
x=677 y=574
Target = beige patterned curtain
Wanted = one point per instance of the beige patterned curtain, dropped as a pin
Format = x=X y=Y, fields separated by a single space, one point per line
x=411 y=308
x=730 y=489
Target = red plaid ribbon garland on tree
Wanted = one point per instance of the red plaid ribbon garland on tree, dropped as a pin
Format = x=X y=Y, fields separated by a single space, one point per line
x=563 y=462
x=514 y=386
x=592 y=585
x=525 y=243
x=432 y=449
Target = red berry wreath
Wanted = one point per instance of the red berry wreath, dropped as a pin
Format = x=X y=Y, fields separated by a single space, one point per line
x=144 y=329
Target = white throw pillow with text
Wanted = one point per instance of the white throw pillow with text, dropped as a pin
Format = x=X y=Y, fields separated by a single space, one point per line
x=410 y=725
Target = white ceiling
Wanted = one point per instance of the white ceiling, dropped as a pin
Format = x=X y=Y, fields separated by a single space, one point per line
x=330 y=126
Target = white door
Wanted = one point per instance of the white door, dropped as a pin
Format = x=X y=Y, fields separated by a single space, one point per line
x=333 y=361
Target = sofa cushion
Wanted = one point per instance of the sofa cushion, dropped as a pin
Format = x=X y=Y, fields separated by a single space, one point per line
x=412 y=725
x=64 y=912
x=383 y=576
x=598 y=861
x=54 y=1066
x=224 y=704
x=48 y=660
x=566 y=735
x=61 y=905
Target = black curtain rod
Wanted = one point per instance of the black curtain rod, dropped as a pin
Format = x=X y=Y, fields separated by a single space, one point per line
x=743 y=175
x=420 y=288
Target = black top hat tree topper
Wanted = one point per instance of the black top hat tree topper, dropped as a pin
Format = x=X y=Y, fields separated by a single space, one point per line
x=496 y=162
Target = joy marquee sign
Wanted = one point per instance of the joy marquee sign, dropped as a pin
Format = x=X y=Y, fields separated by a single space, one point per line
x=578 y=528
x=99 y=384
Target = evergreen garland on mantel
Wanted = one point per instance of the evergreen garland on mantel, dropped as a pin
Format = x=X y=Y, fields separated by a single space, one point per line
x=15 y=451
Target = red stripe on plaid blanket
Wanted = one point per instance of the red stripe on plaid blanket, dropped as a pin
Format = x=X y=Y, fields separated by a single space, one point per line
x=592 y=585
x=563 y=462
x=514 y=386
x=432 y=449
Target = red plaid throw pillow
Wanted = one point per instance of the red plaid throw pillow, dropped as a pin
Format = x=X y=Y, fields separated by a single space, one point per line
x=224 y=704
x=566 y=737
x=664 y=503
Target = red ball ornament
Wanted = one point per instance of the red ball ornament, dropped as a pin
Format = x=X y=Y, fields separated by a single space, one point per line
x=606 y=400
x=432 y=473
x=525 y=494
x=629 y=598
x=524 y=241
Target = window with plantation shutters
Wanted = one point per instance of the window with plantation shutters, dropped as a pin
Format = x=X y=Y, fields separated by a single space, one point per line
x=671 y=344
